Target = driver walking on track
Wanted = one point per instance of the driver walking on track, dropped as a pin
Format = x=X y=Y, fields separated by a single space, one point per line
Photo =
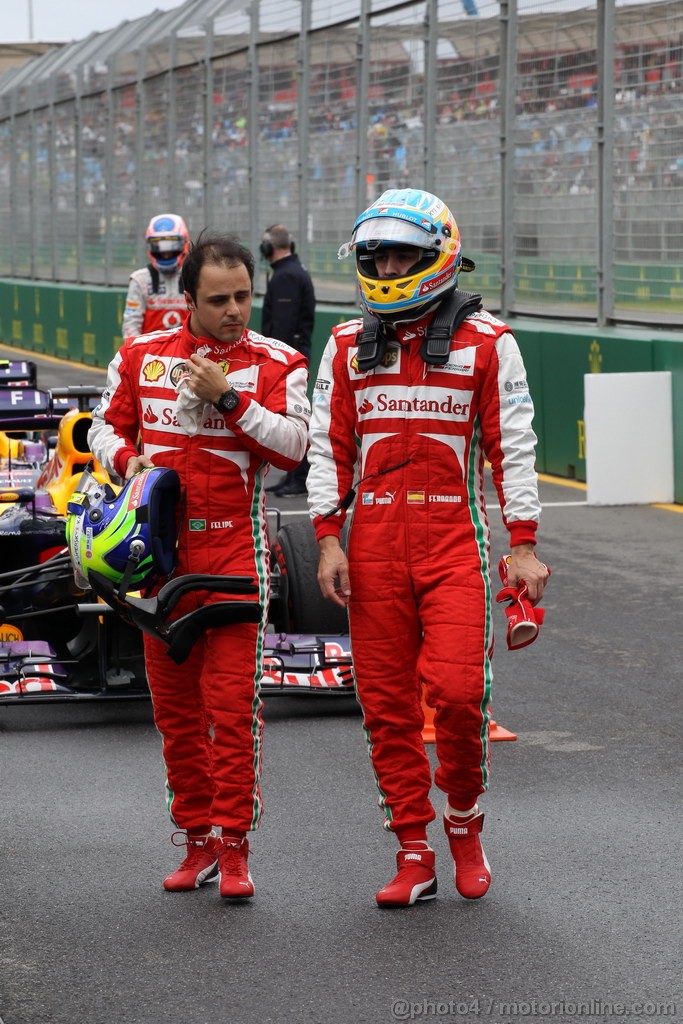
x=217 y=403
x=408 y=403
x=156 y=299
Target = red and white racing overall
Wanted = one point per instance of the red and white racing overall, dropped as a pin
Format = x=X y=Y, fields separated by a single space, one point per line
x=222 y=530
x=147 y=309
x=416 y=437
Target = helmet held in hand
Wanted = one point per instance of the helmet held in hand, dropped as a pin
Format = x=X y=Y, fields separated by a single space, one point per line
x=129 y=537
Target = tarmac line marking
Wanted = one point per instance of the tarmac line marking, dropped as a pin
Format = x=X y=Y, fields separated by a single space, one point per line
x=564 y=504
x=579 y=485
x=561 y=481
x=548 y=478
x=668 y=508
x=546 y=505
x=585 y=504
x=53 y=359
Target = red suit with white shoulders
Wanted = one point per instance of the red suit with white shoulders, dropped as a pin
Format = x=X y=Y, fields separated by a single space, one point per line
x=416 y=437
x=208 y=708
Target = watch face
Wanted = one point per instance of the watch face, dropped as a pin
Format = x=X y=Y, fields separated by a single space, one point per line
x=228 y=401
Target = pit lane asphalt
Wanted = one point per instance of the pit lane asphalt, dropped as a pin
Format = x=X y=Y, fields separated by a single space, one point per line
x=582 y=830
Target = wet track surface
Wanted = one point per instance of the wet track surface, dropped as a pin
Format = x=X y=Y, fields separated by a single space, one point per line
x=582 y=829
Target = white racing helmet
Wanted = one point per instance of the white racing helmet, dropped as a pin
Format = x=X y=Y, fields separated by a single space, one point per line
x=168 y=242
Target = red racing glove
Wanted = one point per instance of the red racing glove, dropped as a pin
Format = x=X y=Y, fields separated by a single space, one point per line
x=524 y=618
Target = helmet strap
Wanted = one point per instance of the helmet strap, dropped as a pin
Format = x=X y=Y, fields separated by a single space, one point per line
x=131 y=566
x=436 y=343
x=372 y=346
x=154 y=274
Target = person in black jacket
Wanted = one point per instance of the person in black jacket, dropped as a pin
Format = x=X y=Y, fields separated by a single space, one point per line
x=289 y=315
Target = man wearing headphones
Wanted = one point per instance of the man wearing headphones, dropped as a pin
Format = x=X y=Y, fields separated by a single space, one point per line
x=288 y=315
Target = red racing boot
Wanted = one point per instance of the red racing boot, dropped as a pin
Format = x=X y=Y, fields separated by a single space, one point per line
x=416 y=879
x=471 y=870
x=200 y=864
x=236 y=882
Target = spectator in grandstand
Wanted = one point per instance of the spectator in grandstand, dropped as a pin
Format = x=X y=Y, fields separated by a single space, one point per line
x=156 y=299
x=288 y=314
x=217 y=403
x=407 y=404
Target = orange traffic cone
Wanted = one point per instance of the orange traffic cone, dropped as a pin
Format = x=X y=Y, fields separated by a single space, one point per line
x=496 y=732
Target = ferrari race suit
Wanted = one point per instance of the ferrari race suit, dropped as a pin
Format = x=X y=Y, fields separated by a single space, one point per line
x=414 y=437
x=155 y=302
x=222 y=530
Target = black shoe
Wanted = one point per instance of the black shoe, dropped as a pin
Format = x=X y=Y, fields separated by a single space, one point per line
x=274 y=488
x=290 y=490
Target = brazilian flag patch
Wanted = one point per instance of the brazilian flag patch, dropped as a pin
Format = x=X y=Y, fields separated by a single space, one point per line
x=197 y=525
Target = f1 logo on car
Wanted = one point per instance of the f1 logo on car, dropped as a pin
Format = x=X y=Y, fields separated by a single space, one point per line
x=26 y=398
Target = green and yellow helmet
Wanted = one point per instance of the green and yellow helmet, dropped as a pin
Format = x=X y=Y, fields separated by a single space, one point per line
x=127 y=536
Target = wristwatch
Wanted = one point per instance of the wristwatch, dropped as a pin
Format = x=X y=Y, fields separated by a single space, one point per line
x=228 y=401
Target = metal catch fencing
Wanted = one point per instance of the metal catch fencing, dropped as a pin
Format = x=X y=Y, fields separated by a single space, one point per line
x=554 y=131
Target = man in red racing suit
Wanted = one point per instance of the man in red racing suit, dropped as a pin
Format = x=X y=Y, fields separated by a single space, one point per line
x=217 y=403
x=414 y=435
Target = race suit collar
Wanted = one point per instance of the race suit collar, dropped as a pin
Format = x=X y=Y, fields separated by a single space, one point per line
x=208 y=347
x=412 y=333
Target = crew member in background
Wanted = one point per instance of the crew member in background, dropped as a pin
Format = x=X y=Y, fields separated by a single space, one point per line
x=156 y=300
x=288 y=314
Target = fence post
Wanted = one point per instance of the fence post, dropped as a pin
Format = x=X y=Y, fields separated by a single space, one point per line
x=140 y=224
x=208 y=123
x=52 y=175
x=605 y=144
x=362 y=97
x=508 y=75
x=172 y=135
x=303 y=108
x=252 y=140
x=32 y=220
x=109 y=174
x=78 y=189
x=430 y=86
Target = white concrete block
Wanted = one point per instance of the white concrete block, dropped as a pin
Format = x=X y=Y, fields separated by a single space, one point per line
x=629 y=438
